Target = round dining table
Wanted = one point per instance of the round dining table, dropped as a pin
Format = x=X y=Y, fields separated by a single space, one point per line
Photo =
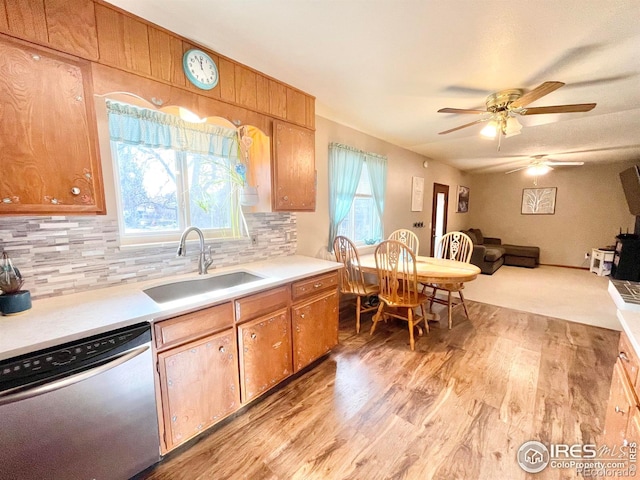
x=432 y=270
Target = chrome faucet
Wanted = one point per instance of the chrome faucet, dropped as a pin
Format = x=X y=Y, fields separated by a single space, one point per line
x=203 y=261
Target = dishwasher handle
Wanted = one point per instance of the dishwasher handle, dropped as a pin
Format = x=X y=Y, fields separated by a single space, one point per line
x=19 y=393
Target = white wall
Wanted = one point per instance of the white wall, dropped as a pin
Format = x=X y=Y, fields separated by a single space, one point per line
x=590 y=210
x=313 y=228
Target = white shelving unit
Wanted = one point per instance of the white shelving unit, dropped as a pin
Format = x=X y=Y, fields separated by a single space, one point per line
x=601 y=261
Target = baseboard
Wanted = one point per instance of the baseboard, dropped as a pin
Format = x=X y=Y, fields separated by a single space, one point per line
x=564 y=266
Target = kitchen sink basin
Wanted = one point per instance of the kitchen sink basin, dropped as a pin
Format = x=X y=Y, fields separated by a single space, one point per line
x=189 y=288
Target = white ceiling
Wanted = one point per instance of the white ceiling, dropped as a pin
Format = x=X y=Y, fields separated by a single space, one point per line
x=385 y=67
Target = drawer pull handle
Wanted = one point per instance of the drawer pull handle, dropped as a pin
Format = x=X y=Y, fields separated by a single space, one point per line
x=317 y=285
x=620 y=411
x=302 y=315
x=623 y=356
x=221 y=349
x=253 y=336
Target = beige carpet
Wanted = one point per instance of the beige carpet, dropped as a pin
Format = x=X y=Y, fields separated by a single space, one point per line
x=566 y=293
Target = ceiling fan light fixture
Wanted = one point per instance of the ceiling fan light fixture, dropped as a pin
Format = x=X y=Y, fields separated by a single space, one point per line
x=490 y=130
x=537 y=170
x=512 y=127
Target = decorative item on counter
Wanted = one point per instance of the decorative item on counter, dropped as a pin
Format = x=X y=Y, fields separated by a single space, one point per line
x=248 y=193
x=12 y=299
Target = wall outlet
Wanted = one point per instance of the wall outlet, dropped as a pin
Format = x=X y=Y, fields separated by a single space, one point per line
x=254 y=239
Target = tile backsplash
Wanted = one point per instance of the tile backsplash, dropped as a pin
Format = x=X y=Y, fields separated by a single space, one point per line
x=63 y=255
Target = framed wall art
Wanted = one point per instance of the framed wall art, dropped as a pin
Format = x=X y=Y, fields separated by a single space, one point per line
x=463 y=199
x=417 y=194
x=538 y=201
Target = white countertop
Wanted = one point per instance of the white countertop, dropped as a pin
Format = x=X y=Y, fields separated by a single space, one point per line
x=628 y=314
x=57 y=320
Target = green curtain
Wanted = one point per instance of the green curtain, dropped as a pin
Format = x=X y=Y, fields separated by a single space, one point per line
x=377 y=168
x=151 y=128
x=345 y=168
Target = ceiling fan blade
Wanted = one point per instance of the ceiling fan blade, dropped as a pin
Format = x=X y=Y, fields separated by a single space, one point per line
x=461 y=110
x=517 y=169
x=555 y=164
x=540 y=91
x=463 y=126
x=578 y=107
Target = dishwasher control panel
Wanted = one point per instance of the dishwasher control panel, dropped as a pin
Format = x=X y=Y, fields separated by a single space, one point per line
x=68 y=356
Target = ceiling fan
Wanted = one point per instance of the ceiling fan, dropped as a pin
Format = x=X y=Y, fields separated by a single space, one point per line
x=503 y=108
x=540 y=166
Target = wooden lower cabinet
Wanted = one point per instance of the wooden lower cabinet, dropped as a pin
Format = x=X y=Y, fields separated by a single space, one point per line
x=620 y=407
x=622 y=423
x=315 y=328
x=213 y=361
x=199 y=385
x=264 y=346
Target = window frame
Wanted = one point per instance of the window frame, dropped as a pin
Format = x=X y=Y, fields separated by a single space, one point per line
x=183 y=205
x=350 y=217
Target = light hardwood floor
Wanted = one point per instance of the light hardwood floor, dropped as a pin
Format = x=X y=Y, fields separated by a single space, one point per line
x=459 y=407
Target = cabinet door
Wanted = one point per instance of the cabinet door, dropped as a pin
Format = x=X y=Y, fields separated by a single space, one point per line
x=47 y=133
x=294 y=175
x=315 y=328
x=633 y=430
x=620 y=407
x=199 y=385
x=265 y=353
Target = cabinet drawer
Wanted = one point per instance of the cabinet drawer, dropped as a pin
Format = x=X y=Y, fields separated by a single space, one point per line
x=628 y=358
x=193 y=325
x=310 y=286
x=254 y=306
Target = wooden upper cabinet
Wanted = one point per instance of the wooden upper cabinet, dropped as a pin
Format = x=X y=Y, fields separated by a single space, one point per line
x=296 y=106
x=48 y=148
x=123 y=41
x=227 y=81
x=262 y=93
x=165 y=54
x=71 y=26
x=294 y=175
x=277 y=99
x=246 y=87
x=310 y=112
x=26 y=19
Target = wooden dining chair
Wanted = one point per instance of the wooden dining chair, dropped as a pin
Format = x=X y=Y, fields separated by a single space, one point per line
x=398 y=280
x=352 y=280
x=407 y=237
x=454 y=246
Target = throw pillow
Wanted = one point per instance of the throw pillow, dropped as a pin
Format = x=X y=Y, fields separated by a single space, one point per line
x=479 y=237
x=472 y=236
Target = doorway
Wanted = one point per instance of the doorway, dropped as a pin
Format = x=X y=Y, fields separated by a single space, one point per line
x=439 y=209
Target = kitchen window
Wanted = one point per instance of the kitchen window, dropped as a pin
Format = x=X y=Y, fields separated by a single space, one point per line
x=171 y=174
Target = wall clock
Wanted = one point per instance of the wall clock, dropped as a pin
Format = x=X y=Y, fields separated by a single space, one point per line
x=200 y=69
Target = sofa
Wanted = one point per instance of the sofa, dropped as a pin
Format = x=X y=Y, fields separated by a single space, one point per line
x=489 y=253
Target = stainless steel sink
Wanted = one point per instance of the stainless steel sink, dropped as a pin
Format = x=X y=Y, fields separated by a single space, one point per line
x=188 y=288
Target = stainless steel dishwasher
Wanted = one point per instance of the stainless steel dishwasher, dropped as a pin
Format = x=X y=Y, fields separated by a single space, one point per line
x=82 y=410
